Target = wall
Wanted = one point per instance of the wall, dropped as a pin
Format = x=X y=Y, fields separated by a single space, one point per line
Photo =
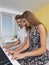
x=9 y=11
x=43 y=15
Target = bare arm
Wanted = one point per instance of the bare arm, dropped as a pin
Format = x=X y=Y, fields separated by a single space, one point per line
x=24 y=46
x=14 y=44
x=42 y=49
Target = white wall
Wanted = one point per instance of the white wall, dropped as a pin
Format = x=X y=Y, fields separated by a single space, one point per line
x=10 y=11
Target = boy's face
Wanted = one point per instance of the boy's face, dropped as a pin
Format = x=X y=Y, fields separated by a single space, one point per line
x=19 y=22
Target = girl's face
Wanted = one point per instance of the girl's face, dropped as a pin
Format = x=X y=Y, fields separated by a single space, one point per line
x=26 y=22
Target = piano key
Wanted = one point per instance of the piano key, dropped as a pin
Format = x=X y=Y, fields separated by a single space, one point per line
x=14 y=62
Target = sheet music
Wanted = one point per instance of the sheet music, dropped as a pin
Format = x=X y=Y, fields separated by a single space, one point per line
x=14 y=62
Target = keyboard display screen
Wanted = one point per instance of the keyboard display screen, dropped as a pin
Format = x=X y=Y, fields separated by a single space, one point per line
x=3 y=58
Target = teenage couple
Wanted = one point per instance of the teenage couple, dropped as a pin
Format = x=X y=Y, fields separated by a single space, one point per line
x=32 y=38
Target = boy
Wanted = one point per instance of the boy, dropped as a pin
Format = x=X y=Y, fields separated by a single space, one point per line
x=21 y=33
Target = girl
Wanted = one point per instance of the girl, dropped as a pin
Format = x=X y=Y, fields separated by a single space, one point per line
x=37 y=53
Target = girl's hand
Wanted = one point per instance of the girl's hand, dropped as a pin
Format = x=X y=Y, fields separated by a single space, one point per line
x=11 y=52
x=16 y=52
x=18 y=56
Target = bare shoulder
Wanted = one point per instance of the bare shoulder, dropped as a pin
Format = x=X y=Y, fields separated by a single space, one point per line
x=41 y=28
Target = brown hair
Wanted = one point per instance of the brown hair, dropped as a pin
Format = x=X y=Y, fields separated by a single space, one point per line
x=18 y=17
x=30 y=17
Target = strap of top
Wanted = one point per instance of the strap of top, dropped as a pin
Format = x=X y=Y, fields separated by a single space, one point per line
x=35 y=30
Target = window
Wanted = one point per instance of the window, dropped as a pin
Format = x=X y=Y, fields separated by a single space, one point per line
x=6 y=25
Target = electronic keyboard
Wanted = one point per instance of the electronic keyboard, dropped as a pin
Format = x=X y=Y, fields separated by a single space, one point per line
x=5 y=59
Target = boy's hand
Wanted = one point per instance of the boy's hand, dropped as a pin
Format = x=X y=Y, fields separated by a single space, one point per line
x=7 y=50
x=6 y=47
